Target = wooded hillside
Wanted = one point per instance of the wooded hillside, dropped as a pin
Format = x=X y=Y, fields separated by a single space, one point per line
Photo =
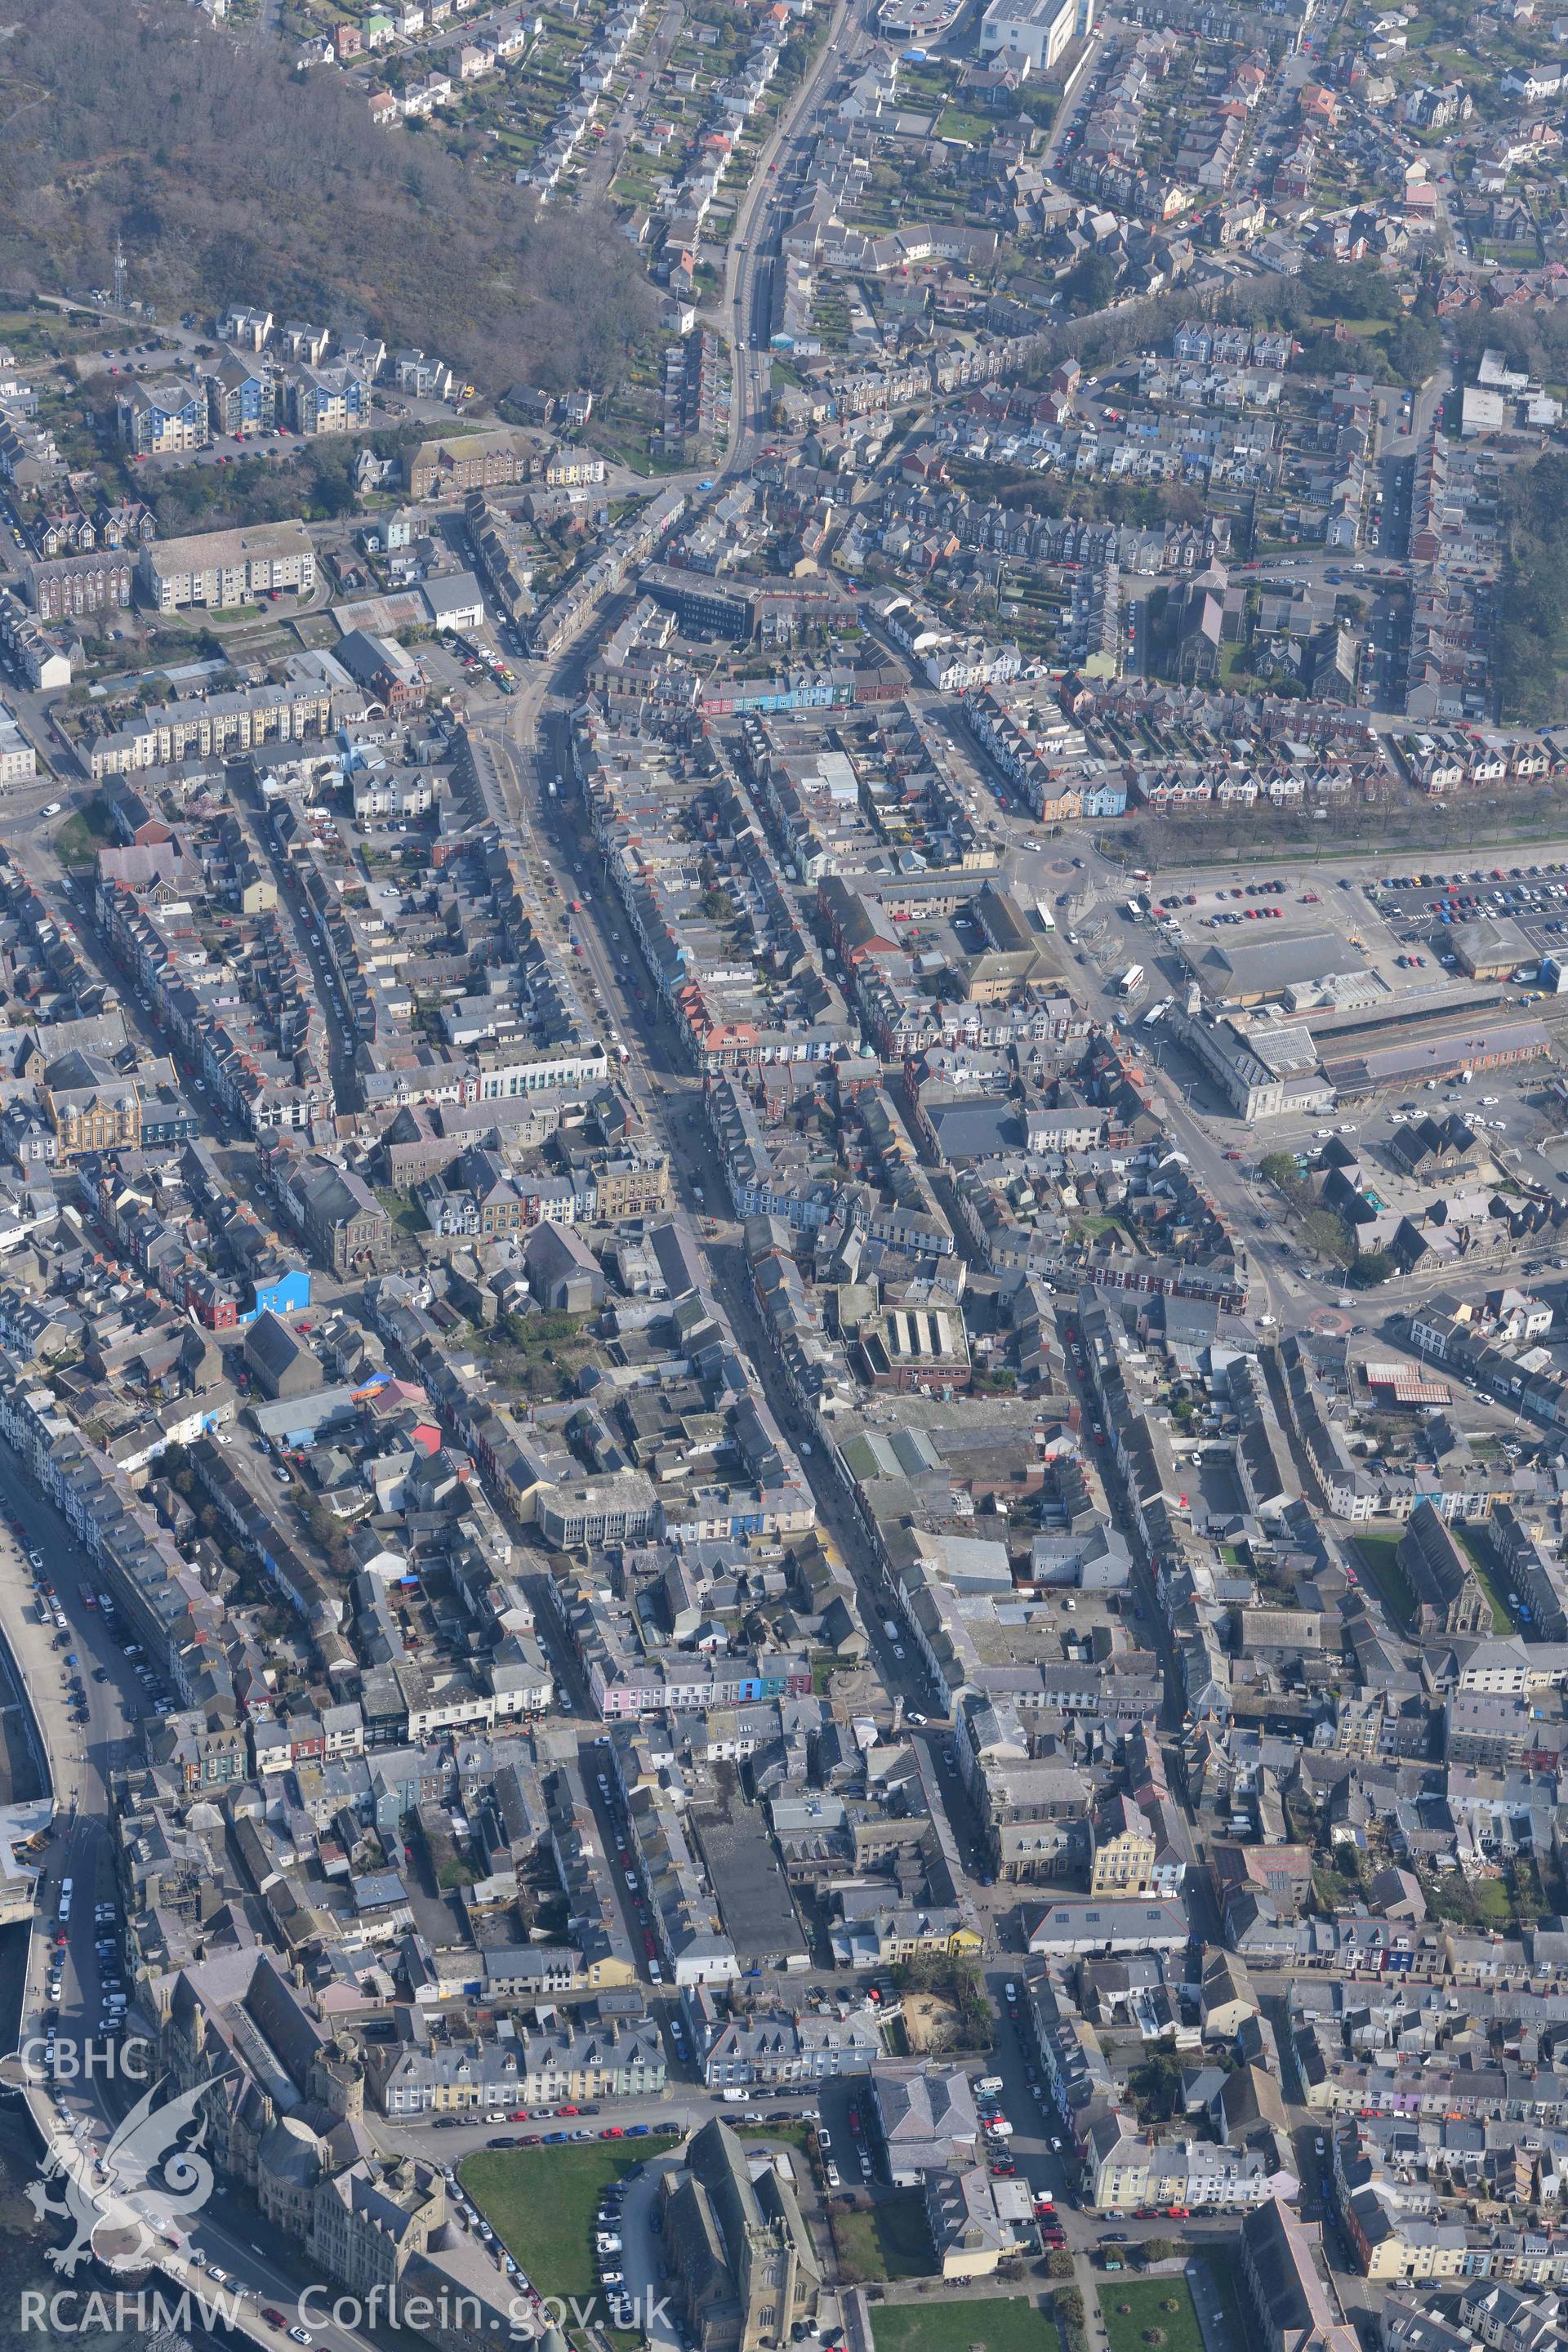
x=234 y=179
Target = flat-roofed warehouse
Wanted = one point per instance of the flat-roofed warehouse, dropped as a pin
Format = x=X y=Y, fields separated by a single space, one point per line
x=1249 y=971
x=222 y=568
x=1490 y=948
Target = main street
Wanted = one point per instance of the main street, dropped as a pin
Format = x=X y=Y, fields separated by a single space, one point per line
x=1289 y=1287
x=763 y=212
x=564 y=863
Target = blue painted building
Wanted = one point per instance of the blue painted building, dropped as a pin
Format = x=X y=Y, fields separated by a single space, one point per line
x=155 y=419
x=284 y=1294
x=240 y=399
x=819 y=693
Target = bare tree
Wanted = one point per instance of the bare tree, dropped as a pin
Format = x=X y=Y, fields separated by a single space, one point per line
x=231 y=178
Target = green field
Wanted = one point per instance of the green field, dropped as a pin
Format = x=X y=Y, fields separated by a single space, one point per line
x=889 y=2241
x=1477 y=1550
x=1221 y=2276
x=1386 y=1577
x=1146 y=2299
x=83 y=833
x=540 y=2203
x=1000 y=2323
x=796 y=2136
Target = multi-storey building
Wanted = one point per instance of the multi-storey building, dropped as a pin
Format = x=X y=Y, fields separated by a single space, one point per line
x=584 y=2058
x=19 y=760
x=218 y=725
x=367 y=2223
x=475 y=461
x=1125 y=1850
x=92 y=1107
x=73 y=585
x=241 y=398
x=328 y=400
x=225 y=567
x=159 y=420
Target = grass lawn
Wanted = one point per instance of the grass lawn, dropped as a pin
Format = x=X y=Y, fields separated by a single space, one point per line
x=889 y=2242
x=1221 y=2276
x=1352 y=326
x=794 y=2136
x=541 y=2203
x=83 y=833
x=1478 y=1553
x=1002 y=2324
x=956 y=124
x=1146 y=2300
x=1386 y=1576
x=404 y=1210
x=1505 y=1904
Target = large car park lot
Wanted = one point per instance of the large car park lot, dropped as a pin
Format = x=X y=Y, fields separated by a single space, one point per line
x=1421 y=906
x=1394 y=919
x=1199 y=912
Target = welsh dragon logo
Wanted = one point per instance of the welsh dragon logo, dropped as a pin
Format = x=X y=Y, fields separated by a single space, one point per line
x=120 y=2203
